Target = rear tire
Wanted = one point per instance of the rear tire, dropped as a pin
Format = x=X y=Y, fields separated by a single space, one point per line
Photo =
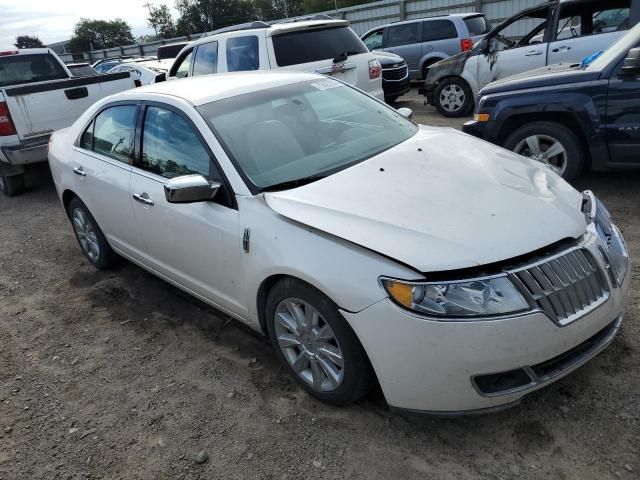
x=11 y=185
x=92 y=241
x=453 y=98
x=535 y=139
x=316 y=344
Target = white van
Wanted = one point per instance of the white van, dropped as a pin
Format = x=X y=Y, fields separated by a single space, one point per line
x=320 y=45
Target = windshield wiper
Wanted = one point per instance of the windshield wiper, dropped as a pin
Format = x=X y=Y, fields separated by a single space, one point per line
x=299 y=182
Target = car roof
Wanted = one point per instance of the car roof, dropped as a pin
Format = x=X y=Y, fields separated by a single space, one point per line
x=426 y=19
x=208 y=88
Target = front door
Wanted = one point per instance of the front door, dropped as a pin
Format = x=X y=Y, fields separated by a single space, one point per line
x=623 y=118
x=516 y=47
x=197 y=245
x=102 y=172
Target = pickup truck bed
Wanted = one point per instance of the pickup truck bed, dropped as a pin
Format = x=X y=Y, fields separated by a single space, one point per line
x=32 y=110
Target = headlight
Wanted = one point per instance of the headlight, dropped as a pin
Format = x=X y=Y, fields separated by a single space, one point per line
x=470 y=298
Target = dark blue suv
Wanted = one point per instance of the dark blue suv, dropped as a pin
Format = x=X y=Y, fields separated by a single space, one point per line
x=571 y=117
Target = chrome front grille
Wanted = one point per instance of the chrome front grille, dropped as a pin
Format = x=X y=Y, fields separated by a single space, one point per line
x=565 y=286
x=395 y=73
x=611 y=245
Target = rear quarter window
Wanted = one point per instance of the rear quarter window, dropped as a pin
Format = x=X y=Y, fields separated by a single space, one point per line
x=21 y=69
x=477 y=25
x=314 y=45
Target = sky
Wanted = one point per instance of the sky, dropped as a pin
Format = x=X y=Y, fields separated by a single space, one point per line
x=53 y=20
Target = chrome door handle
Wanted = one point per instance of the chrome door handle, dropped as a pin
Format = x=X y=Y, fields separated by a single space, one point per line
x=80 y=171
x=141 y=199
x=533 y=53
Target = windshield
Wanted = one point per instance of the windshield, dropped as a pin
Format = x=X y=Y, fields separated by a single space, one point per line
x=304 y=46
x=621 y=47
x=21 y=69
x=302 y=130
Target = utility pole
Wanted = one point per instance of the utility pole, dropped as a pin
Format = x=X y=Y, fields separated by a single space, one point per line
x=149 y=6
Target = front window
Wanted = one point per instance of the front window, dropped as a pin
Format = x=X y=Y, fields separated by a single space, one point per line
x=21 y=69
x=206 y=61
x=305 y=130
x=374 y=40
x=305 y=46
x=523 y=31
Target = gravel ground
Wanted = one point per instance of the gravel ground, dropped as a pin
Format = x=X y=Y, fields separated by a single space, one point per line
x=118 y=375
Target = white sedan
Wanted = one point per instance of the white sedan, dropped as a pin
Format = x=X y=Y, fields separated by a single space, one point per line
x=456 y=274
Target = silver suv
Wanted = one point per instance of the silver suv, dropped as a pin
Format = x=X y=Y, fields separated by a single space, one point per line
x=426 y=41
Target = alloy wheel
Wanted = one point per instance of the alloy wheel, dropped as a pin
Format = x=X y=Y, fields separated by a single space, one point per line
x=86 y=235
x=545 y=149
x=309 y=345
x=452 y=98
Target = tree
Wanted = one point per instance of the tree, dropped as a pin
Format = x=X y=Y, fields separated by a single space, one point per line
x=162 y=22
x=98 y=34
x=28 y=41
x=276 y=9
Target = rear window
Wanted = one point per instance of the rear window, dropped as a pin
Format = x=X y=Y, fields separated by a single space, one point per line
x=477 y=25
x=438 y=30
x=169 y=51
x=313 y=45
x=20 y=69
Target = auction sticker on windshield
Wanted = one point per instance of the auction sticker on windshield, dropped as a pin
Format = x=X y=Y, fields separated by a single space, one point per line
x=327 y=84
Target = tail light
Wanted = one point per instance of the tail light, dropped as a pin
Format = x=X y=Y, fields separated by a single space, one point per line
x=375 y=69
x=466 y=44
x=6 y=124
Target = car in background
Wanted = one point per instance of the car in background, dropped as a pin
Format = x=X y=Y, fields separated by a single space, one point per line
x=105 y=64
x=145 y=72
x=395 y=75
x=38 y=95
x=320 y=44
x=426 y=41
x=570 y=117
x=547 y=34
x=288 y=201
x=170 y=50
x=81 y=69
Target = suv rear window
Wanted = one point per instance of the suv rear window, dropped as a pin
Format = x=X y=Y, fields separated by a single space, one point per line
x=313 y=45
x=21 y=69
x=477 y=25
x=438 y=30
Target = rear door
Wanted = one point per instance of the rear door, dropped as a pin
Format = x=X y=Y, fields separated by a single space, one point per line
x=583 y=28
x=328 y=49
x=404 y=40
x=46 y=100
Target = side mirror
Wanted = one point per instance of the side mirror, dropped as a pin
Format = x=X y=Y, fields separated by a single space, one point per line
x=631 y=64
x=406 y=112
x=190 y=189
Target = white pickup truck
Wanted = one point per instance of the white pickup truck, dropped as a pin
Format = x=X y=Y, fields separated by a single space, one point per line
x=38 y=95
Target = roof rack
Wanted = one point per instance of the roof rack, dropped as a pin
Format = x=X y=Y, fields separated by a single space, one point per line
x=317 y=16
x=242 y=26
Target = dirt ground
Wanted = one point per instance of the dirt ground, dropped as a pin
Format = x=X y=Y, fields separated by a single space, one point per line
x=118 y=375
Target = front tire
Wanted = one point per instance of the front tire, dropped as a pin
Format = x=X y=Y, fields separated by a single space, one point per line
x=551 y=143
x=453 y=98
x=92 y=241
x=315 y=344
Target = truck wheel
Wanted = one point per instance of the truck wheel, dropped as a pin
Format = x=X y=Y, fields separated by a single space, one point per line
x=11 y=185
x=551 y=143
x=90 y=238
x=453 y=98
x=315 y=343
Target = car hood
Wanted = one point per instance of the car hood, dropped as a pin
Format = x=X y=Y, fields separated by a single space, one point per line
x=387 y=58
x=440 y=201
x=552 y=75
